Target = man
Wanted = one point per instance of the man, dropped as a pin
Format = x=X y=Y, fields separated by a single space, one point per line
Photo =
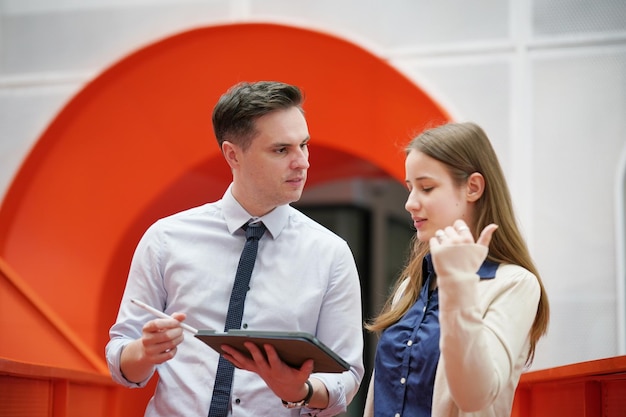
x=304 y=278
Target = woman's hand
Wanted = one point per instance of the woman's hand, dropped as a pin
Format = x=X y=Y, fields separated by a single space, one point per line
x=460 y=234
x=455 y=252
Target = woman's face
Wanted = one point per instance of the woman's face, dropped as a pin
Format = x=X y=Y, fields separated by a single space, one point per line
x=434 y=200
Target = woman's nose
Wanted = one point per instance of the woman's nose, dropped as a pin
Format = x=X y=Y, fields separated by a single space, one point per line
x=412 y=203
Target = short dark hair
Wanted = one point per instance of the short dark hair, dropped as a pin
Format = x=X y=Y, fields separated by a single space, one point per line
x=237 y=109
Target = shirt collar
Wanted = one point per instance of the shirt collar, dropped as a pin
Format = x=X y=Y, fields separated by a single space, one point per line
x=427 y=266
x=486 y=271
x=236 y=216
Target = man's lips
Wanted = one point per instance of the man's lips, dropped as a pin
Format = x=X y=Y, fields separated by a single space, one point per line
x=296 y=181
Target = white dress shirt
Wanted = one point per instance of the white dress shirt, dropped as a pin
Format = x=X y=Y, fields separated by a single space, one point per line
x=304 y=279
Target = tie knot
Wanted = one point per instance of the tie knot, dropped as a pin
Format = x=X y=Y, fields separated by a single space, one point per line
x=254 y=230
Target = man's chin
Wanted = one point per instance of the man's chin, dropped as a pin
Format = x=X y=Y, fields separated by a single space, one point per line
x=293 y=197
x=296 y=197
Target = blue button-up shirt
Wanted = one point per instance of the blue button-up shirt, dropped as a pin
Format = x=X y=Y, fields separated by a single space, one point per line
x=408 y=353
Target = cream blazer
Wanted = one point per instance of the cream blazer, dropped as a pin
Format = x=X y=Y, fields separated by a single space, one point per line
x=485 y=326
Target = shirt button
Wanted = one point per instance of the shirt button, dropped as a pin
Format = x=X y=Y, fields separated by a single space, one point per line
x=403 y=381
x=245 y=325
x=397 y=415
x=237 y=401
x=409 y=343
x=424 y=309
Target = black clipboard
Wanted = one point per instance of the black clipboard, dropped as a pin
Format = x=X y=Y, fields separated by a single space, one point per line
x=292 y=347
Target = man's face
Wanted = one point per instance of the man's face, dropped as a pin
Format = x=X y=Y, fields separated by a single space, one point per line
x=273 y=170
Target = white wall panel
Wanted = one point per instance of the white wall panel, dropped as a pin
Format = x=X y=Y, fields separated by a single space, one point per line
x=581 y=328
x=92 y=38
x=578 y=139
x=398 y=23
x=559 y=17
x=459 y=84
x=25 y=112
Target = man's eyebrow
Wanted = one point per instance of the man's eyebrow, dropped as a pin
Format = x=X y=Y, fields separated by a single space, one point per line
x=283 y=145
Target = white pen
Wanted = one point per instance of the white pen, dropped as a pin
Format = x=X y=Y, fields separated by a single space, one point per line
x=162 y=314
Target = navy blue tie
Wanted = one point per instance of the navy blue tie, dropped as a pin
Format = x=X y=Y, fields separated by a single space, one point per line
x=225 y=369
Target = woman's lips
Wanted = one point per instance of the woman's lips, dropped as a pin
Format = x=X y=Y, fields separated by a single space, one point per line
x=419 y=223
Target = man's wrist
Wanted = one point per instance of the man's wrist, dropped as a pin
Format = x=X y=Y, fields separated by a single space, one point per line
x=305 y=401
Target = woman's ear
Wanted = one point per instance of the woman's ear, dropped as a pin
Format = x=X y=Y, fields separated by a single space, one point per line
x=230 y=152
x=475 y=186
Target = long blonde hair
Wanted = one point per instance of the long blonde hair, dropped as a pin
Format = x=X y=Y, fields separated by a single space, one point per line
x=464 y=149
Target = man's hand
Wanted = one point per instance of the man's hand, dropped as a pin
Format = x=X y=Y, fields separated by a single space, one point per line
x=286 y=382
x=160 y=338
x=157 y=344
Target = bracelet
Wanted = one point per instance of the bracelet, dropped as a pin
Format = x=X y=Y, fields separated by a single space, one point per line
x=304 y=402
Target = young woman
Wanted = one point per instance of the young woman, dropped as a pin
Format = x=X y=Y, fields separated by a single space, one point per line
x=465 y=315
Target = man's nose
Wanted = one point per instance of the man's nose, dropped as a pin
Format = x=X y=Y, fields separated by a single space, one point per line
x=301 y=161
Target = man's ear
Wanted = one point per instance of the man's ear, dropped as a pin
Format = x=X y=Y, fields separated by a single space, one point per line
x=231 y=153
x=475 y=186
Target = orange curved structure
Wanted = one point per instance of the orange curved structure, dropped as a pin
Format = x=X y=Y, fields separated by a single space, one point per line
x=136 y=144
x=595 y=388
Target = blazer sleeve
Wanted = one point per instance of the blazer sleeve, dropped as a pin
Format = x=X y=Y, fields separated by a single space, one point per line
x=485 y=326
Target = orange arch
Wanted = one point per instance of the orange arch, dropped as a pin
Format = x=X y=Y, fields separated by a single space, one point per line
x=137 y=144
